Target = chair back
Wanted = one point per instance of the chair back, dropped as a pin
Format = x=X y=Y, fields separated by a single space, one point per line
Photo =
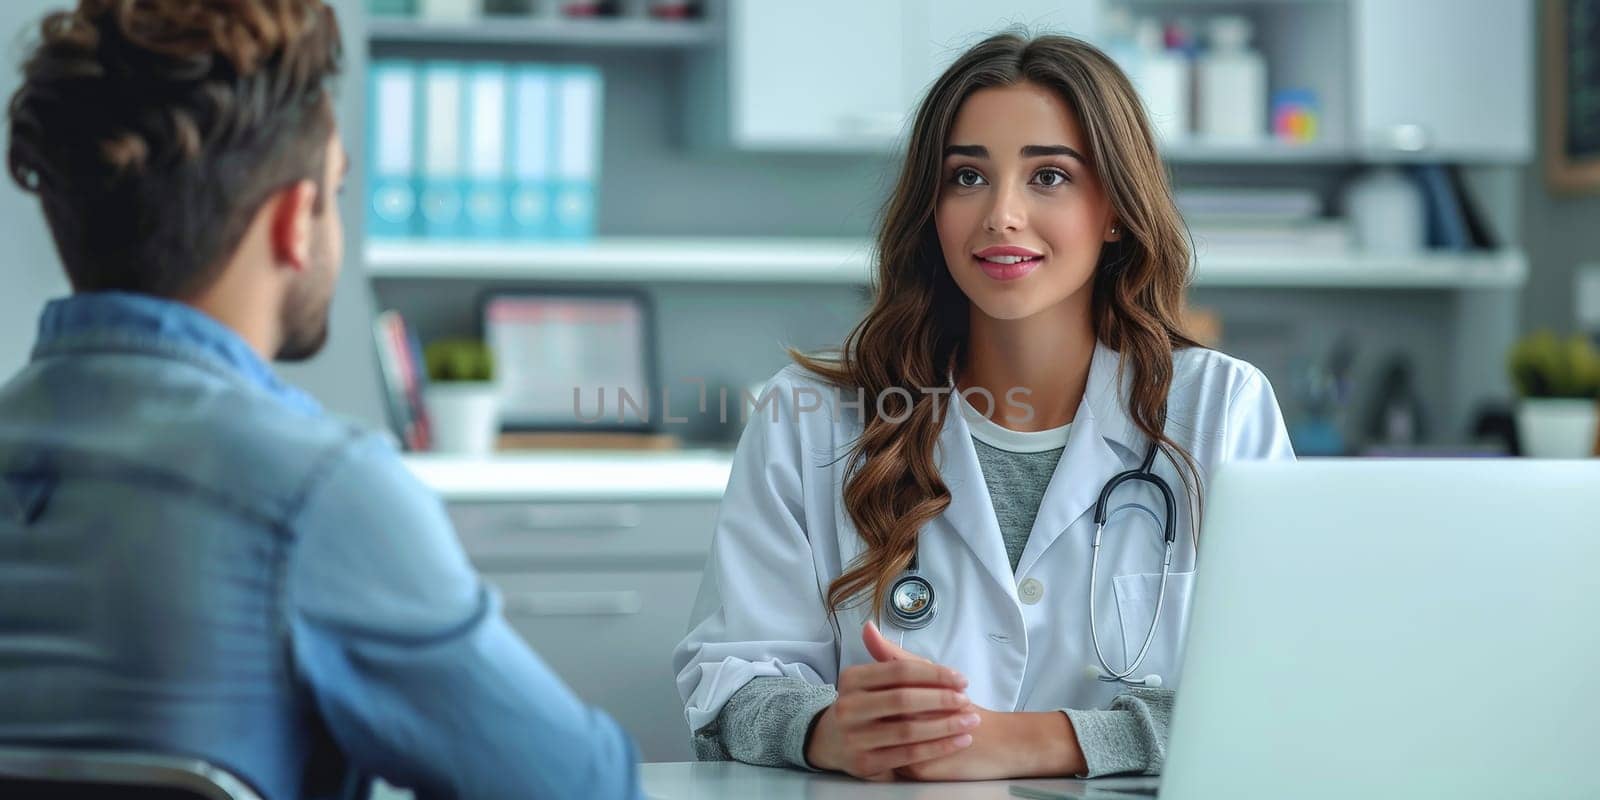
x=50 y=773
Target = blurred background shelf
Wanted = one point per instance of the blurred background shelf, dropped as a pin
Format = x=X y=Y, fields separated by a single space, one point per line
x=1263 y=151
x=835 y=261
x=1504 y=269
x=846 y=261
x=609 y=32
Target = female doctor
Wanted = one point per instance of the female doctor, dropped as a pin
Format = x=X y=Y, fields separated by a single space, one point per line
x=943 y=474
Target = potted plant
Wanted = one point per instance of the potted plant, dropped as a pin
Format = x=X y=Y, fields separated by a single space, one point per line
x=1559 y=381
x=463 y=398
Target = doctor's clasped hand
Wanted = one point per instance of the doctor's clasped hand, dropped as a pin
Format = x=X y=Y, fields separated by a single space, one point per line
x=904 y=716
x=892 y=713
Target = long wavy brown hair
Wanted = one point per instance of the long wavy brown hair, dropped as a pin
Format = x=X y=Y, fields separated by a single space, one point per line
x=916 y=331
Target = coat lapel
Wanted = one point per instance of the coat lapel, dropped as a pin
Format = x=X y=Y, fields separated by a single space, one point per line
x=970 y=515
x=1090 y=459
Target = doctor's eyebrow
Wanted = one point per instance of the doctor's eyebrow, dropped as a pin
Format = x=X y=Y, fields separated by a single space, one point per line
x=1028 y=151
x=1037 y=150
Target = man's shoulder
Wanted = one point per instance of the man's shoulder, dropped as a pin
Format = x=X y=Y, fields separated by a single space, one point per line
x=189 y=428
x=286 y=454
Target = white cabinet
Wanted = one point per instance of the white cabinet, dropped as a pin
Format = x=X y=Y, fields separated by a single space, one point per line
x=823 y=74
x=602 y=591
x=843 y=74
x=1444 y=79
x=1441 y=80
x=610 y=635
x=939 y=31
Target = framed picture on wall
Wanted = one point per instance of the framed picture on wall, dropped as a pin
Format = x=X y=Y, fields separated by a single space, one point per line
x=1572 y=94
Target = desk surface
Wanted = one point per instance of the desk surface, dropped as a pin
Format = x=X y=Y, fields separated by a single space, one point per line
x=565 y=476
x=726 y=779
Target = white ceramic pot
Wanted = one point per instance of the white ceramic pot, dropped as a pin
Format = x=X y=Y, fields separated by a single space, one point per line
x=1387 y=211
x=1557 y=427
x=465 y=416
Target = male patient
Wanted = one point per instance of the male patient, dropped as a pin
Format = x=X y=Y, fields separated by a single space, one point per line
x=195 y=560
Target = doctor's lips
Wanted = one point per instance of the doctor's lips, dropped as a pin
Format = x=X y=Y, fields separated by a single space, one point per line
x=1008 y=262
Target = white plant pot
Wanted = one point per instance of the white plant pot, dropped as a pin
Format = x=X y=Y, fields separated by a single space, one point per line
x=465 y=416
x=1556 y=427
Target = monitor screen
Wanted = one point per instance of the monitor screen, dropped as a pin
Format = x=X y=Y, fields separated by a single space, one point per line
x=571 y=361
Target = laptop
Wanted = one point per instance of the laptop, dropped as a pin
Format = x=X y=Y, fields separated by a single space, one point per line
x=1387 y=629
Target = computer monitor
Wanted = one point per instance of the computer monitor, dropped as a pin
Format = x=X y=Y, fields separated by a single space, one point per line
x=574 y=360
x=1388 y=629
x=1393 y=628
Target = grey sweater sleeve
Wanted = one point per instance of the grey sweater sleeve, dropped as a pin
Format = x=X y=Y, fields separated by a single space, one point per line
x=765 y=723
x=1130 y=736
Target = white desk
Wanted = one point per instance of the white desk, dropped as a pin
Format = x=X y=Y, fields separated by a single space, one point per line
x=727 y=779
x=575 y=475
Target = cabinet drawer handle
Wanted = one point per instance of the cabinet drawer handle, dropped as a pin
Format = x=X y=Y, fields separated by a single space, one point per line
x=585 y=518
x=565 y=604
x=1405 y=138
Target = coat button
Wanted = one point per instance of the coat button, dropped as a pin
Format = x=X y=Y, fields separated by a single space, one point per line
x=1031 y=591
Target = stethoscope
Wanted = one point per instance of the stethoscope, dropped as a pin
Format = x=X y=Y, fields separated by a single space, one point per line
x=912 y=602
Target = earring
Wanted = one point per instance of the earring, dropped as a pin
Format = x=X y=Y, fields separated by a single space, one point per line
x=1113 y=230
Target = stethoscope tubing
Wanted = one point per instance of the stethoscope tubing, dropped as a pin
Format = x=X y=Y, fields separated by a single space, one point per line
x=1094 y=631
x=1143 y=474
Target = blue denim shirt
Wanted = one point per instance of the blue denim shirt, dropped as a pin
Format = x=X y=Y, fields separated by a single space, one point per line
x=194 y=559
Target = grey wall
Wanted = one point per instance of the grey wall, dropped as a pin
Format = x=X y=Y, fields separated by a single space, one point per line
x=1561 y=231
x=30 y=272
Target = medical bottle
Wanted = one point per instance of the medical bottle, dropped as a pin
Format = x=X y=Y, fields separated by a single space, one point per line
x=1162 y=78
x=1231 y=81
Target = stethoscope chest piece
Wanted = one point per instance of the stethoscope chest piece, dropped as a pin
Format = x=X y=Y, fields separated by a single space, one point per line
x=912 y=603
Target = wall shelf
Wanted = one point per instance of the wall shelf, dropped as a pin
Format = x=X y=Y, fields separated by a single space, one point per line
x=1276 y=152
x=1502 y=269
x=628 y=260
x=845 y=261
x=1264 y=151
x=611 y=32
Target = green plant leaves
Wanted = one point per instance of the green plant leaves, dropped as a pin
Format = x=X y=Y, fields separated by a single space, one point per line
x=459 y=360
x=1544 y=365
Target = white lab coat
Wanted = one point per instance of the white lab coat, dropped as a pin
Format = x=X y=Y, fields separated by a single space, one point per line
x=783 y=535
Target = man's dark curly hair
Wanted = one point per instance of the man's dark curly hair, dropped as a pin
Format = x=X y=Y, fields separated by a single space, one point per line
x=153 y=130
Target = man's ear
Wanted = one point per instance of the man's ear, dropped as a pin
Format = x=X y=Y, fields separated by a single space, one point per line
x=292 y=211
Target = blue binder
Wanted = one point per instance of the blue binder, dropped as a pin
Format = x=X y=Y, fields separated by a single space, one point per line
x=444 y=143
x=532 y=153
x=392 y=150
x=487 y=117
x=578 y=102
x=1447 y=225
